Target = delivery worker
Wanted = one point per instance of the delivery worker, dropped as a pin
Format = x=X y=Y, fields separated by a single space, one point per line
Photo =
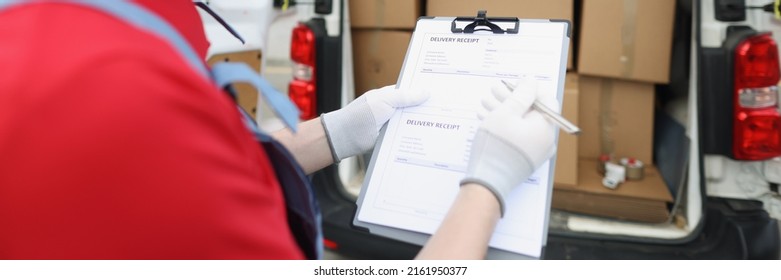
x=114 y=146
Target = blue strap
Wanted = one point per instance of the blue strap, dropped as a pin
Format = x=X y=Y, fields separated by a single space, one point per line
x=227 y=73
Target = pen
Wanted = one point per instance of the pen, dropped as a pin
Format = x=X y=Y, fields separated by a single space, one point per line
x=565 y=125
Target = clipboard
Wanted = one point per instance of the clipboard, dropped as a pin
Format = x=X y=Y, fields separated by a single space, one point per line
x=392 y=213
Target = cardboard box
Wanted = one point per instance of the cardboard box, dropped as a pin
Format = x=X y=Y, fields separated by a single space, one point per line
x=628 y=39
x=616 y=117
x=567 y=152
x=642 y=201
x=388 y=14
x=377 y=57
x=548 y=9
x=246 y=95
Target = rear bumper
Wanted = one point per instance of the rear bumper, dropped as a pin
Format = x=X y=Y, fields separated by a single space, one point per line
x=733 y=229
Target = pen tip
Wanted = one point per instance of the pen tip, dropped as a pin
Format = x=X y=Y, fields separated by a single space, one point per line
x=507 y=84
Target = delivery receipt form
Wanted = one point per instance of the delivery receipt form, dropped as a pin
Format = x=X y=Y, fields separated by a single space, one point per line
x=425 y=149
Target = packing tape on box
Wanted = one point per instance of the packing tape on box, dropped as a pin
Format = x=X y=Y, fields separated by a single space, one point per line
x=379 y=13
x=628 y=38
x=606 y=142
x=375 y=39
x=634 y=168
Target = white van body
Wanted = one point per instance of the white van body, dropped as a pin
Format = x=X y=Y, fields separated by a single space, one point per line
x=739 y=179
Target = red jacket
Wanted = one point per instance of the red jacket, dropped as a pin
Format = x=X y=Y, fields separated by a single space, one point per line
x=112 y=147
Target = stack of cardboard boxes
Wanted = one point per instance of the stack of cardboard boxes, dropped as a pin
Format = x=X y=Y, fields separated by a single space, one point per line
x=623 y=49
x=381 y=31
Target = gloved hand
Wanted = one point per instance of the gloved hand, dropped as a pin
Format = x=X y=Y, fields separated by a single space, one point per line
x=512 y=141
x=354 y=129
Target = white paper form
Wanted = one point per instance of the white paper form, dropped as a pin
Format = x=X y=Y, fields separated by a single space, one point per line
x=425 y=149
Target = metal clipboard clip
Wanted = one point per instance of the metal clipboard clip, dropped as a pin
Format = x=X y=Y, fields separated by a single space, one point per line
x=482 y=21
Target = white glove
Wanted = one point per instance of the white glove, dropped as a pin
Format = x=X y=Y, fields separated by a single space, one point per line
x=512 y=141
x=354 y=129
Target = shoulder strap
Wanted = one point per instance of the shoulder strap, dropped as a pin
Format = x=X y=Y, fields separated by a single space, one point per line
x=227 y=73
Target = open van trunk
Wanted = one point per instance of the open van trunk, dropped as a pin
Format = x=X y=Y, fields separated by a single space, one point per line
x=703 y=222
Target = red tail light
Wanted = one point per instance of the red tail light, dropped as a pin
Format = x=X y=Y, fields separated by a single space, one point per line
x=757 y=123
x=303 y=88
x=328 y=244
